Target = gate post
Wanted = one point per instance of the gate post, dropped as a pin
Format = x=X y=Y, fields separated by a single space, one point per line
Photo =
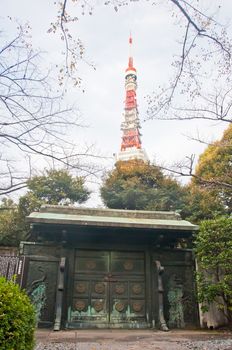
x=160 y=270
x=59 y=294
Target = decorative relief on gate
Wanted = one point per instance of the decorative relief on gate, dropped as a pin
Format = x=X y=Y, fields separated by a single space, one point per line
x=37 y=293
x=119 y=289
x=90 y=264
x=120 y=306
x=80 y=305
x=98 y=305
x=175 y=299
x=128 y=265
x=80 y=287
x=137 y=306
x=137 y=288
x=99 y=288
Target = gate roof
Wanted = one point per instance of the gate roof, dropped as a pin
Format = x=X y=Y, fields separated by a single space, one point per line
x=90 y=217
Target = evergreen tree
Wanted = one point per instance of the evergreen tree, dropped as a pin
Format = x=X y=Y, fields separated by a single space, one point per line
x=210 y=191
x=137 y=185
x=54 y=187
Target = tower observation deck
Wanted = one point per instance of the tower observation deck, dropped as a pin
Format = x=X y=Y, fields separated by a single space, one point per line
x=131 y=145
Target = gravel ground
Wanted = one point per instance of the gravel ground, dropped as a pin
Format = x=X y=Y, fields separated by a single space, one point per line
x=133 y=341
x=216 y=344
x=189 y=345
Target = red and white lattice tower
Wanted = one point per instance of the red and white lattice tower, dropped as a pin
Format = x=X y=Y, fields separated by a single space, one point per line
x=131 y=146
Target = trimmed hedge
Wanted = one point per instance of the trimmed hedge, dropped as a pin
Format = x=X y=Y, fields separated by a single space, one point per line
x=17 y=318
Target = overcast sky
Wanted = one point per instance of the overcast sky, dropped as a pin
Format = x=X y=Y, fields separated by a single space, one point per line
x=105 y=35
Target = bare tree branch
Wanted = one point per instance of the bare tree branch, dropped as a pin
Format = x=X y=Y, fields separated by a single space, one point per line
x=33 y=120
x=190 y=173
x=188 y=17
x=190 y=80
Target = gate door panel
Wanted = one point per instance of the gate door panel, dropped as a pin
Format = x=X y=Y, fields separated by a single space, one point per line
x=127 y=289
x=90 y=293
x=109 y=289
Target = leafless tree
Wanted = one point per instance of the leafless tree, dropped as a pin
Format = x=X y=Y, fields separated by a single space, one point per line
x=201 y=85
x=186 y=168
x=33 y=122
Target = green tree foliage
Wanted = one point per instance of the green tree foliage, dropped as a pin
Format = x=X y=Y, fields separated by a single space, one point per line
x=201 y=204
x=210 y=191
x=54 y=187
x=17 y=318
x=214 y=169
x=136 y=185
x=11 y=229
x=58 y=187
x=214 y=256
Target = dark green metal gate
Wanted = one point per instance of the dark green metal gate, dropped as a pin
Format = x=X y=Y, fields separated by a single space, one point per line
x=108 y=290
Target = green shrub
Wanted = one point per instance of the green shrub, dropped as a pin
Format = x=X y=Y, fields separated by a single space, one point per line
x=213 y=246
x=17 y=318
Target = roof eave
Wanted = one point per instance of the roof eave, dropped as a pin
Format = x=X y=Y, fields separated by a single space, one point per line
x=85 y=223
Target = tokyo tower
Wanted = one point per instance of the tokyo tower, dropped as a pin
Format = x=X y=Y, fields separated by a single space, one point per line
x=131 y=145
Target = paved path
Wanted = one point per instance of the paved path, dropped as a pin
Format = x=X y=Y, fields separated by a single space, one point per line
x=133 y=340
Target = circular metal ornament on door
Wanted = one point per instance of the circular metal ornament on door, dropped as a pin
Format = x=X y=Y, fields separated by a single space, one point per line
x=80 y=305
x=120 y=306
x=128 y=265
x=99 y=288
x=80 y=287
x=98 y=306
x=137 y=288
x=119 y=289
x=137 y=306
x=90 y=265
